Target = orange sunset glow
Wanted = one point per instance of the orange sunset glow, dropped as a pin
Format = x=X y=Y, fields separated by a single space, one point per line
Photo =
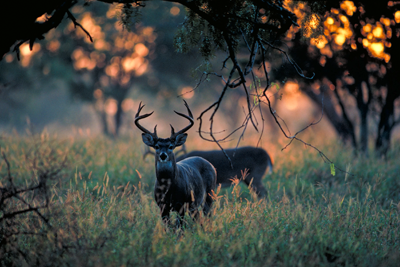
x=338 y=32
x=129 y=49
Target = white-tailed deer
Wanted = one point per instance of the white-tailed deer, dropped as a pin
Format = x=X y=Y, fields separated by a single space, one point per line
x=255 y=160
x=183 y=186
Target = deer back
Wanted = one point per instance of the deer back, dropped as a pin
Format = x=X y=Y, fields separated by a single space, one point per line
x=256 y=160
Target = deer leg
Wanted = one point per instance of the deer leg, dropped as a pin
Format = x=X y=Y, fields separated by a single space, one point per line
x=165 y=214
x=195 y=214
x=260 y=190
x=181 y=214
x=258 y=187
x=207 y=205
x=179 y=220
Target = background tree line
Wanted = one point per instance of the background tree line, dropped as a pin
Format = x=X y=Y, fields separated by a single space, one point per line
x=350 y=46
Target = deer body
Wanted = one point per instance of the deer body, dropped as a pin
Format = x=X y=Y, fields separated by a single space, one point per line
x=255 y=160
x=180 y=187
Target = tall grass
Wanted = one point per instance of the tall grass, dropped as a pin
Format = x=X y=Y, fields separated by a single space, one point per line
x=102 y=211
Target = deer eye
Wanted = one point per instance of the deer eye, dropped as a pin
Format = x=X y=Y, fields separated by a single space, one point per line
x=157 y=146
x=171 y=147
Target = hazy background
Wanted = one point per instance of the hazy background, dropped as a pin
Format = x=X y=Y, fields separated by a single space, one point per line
x=69 y=85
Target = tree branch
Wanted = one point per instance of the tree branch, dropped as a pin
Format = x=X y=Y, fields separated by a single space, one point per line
x=77 y=24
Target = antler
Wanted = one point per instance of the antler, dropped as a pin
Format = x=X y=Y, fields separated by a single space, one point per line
x=190 y=118
x=147 y=151
x=182 y=150
x=137 y=118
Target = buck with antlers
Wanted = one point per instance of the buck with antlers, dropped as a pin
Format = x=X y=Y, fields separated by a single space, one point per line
x=183 y=186
x=255 y=160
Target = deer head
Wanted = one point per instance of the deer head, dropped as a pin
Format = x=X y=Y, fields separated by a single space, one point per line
x=164 y=147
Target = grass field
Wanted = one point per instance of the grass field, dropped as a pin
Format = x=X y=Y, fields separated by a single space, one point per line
x=101 y=211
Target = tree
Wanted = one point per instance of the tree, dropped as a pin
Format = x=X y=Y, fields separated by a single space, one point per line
x=105 y=71
x=229 y=26
x=121 y=57
x=356 y=57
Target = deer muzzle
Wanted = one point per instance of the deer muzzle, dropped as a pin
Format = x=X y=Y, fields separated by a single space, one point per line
x=163 y=157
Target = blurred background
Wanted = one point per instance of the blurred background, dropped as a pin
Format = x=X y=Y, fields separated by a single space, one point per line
x=70 y=85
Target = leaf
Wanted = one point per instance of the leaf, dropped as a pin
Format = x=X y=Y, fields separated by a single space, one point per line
x=333 y=169
x=276 y=86
x=255 y=101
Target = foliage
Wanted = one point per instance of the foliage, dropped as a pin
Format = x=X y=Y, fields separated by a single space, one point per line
x=25 y=204
x=102 y=72
x=102 y=213
x=247 y=31
x=209 y=26
x=356 y=59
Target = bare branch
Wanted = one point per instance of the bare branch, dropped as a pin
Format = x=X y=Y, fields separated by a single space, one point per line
x=275 y=116
x=38 y=29
x=260 y=110
x=292 y=62
x=8 y=171
x=241 y=75
x=216 y=105
x=311 y=124
x=77 y=24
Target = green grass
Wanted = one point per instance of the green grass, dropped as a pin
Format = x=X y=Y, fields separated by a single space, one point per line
x=103 y=213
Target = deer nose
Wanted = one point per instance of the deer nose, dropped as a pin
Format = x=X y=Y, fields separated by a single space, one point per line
x=163 y=156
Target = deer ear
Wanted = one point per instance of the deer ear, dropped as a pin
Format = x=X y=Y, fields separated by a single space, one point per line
x=148 y=139
x=180 y=139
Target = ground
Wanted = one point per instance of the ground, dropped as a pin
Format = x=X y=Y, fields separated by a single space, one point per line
x=102 y=211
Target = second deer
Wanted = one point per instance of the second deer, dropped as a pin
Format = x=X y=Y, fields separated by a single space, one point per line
x=255 y=160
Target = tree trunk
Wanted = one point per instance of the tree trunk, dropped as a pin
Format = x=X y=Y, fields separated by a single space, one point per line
x=385 y=127
x=364 y=130
x=363 y=107
x=120 y=93
x=387 y=120
x=118 y=118
x=343 y=126
x=104 y=123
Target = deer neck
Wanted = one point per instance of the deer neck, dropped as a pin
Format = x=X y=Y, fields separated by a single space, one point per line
x=167 y=170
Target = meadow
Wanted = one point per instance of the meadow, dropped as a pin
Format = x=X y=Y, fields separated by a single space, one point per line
x=90 y=203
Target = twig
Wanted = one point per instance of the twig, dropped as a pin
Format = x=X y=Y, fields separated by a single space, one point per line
x=77 y=24
x=216 y=104
x=292 y=62
x=241 y=75
x=311 y=124
x=8 y=171
x=259 y=106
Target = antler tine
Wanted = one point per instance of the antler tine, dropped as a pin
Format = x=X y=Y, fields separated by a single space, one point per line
x=183 y=150
x=190 y=118
x=139 y=117
x=155 y=129
x=147 y=151
x=188 y=109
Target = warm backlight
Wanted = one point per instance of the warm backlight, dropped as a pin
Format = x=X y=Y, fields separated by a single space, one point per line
x=397 y=16
x=174 y=11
